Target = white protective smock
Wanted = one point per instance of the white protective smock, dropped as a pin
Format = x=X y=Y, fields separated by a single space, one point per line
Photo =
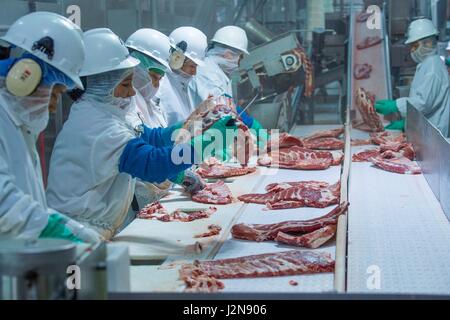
x=209 y=80
x=430 y=93
x=143 y=113
x=172 y=97
x=84 y=180
x=23 y=208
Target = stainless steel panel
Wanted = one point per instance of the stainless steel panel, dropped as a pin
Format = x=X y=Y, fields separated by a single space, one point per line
x=433 y=155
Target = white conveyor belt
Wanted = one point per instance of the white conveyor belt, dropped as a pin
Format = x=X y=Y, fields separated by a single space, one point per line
x=399 y=237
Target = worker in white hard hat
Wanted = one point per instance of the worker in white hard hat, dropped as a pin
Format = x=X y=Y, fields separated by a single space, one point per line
x=152 y=49
x=51 y=54
x=99 y=153
x=430 y=89
x=188 y=48
x=227 y=48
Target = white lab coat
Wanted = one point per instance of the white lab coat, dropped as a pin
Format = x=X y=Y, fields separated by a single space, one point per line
x=430 y=93
x=84 y=180
x=23 y=208
x=210 y=79
x=172 y=97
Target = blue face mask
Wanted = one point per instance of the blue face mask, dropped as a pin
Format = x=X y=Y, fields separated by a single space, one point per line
x=50 y=75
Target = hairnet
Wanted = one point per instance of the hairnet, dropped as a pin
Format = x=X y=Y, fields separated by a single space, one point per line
x=226 y=58
x=100 y=87
x=143 y=83
x=149 y=63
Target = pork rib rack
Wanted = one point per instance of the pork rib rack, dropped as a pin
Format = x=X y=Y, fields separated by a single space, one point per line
x=303 y=233
x=202 y=276
x=213 y=168
x=289 y=195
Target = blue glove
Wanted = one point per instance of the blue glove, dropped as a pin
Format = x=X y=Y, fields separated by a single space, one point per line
x=62 y=227
x=246 y=118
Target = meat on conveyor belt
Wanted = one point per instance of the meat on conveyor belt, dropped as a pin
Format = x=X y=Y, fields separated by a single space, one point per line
x=214 y=193
x=387 y=137
x=304 y=233
x=213 y=168
x=155 y=211
x=332 y=133
x=213 y=230
x=324 y=144
x=202 y=276
x=366 y=155
x=396 y=162
x=369 y=42
x=296 y=194
x=362 y=71
x=298 y=158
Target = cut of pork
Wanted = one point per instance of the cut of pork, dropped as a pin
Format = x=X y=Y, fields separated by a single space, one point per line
x=155 y=211
x=387 y=137
x=285 y=263
x=214 y=169
x=311 y=240
x=396 y=162
x=324 y=144
x=297 y=158
x=364 y=102
x=213 y=230
x=268 y=232
x=296 y=194
x=214 y=193
x=333 y=133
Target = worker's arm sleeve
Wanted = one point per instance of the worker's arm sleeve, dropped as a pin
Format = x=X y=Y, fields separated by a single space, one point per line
x=423 y=97
x=159 y=137
x=152 y=164
x=20 y=215
x=246 y=118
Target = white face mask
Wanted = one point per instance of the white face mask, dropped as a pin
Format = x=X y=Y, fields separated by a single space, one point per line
x=32 y=110
x=143 y=83
x=121 y=103
x=422 y=52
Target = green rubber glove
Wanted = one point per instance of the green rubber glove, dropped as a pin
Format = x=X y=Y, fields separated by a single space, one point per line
x=62 y=227
x=386 y=106
x=201 y=142
x=396 y=125
x=447 y=62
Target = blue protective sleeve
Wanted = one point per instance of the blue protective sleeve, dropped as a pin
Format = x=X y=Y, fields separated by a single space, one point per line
x=246 y=118
x=158 y=137
x=152 y=164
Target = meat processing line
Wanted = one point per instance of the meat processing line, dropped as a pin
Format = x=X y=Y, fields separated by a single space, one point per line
x=393 y=239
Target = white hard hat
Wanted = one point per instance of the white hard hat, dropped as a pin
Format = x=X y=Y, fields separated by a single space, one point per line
x=105 y=51
x=52 y=38
x=233 y=37
x=420 y=29
x=191 y=41
x=152 y=43
x=448 y=46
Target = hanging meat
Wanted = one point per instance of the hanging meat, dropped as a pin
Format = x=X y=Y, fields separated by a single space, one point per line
x=202 y=276
x=369 y=42
x=289 y=195
x=214 y=193
x=304 y=233
x=364 y=101
x=214 y=169
x=309 y=71
x=155 y=211
x=396 y=162
x=362 y=71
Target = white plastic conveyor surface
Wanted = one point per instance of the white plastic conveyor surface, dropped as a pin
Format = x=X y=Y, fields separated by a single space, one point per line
x=399 y=237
